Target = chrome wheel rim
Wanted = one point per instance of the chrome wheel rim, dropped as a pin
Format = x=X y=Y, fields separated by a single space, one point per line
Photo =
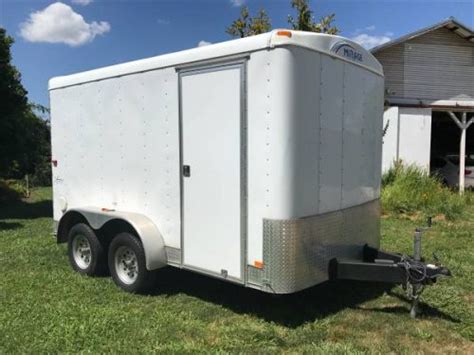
x=126 y=265
x=81 y=251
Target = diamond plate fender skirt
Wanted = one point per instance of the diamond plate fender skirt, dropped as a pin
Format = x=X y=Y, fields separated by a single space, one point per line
x=297 y=252
x=149 y=235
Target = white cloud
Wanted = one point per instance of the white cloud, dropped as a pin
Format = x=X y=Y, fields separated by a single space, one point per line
x=203 y=43
x=369 y=41
x=58 y=23
x=362 y=30
x=237 y=2
x=162 y=21
x=82 y=2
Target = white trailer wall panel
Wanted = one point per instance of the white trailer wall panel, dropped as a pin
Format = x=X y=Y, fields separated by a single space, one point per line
x=116 y=144
x=330 y=137
x=311 y=122
x=283 y=131
x=303 y=132
x=269 y=166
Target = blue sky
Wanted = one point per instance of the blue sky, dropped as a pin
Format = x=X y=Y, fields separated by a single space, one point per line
x=75 y=35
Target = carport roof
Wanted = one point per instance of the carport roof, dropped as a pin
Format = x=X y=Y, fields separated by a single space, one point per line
x=451 y=24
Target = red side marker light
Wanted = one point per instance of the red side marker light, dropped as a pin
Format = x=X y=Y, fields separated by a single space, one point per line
x=54 y=162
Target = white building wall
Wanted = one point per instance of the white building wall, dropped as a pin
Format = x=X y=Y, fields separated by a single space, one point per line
x=408 y=137
x=415 y=136
x=390 y=139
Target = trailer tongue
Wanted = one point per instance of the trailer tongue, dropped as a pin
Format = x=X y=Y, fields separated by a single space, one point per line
x=379 y=266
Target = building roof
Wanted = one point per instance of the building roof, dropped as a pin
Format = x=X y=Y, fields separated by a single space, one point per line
x=451 y=24
x=335 y=46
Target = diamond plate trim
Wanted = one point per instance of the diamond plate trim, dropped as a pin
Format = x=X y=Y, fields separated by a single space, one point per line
x=254 y=275
x=296 y=252
x=173 y=255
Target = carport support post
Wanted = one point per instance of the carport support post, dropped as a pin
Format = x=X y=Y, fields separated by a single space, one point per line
x=463 y=125
x=462 y=157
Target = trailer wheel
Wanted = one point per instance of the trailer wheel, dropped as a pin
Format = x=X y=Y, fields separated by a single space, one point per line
x=86 y=254
x=127 y=264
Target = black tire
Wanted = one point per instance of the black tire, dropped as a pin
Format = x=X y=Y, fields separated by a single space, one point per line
x=127 y=263
x=94 y=259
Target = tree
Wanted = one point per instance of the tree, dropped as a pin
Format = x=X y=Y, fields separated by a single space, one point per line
x=24 y=137
x=305 y=19
x=13 y=102
x=246 y=25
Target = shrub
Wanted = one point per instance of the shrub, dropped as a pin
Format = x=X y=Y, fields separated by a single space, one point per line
x=11 y=190
x=42 y=174
x=411 y=190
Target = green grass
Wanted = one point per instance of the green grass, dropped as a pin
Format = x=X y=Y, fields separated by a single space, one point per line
x=47 y=308
x=411 y=190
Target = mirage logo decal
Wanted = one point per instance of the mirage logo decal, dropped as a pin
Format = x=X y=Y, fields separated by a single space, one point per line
x=347 y=51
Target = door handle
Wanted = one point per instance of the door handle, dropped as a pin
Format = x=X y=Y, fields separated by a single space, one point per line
x=186 y=171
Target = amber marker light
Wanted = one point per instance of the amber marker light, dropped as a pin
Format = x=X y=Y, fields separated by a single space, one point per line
x=284 y=33
x=103 y=209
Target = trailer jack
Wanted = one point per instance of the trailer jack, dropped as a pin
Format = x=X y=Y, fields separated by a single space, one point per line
x=379 y=266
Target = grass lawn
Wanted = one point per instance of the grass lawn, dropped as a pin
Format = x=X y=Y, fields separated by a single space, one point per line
x=46 y=307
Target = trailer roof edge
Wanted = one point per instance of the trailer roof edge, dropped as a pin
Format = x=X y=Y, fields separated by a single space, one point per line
x=328 y=44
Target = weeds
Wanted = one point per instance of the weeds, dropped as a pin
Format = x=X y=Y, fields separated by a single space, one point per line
x=411 y=190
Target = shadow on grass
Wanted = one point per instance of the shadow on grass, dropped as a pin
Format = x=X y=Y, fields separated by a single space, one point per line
x=9 y=225
x=290 y=310
x=426 y=311
x=22 y=209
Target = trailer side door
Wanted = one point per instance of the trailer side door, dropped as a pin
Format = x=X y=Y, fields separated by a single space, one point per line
x=212 y=179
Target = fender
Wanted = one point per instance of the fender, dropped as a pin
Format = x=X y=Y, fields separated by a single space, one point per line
x=149 y=234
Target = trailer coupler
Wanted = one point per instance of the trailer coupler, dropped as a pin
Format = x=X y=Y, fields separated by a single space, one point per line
x=379 y=266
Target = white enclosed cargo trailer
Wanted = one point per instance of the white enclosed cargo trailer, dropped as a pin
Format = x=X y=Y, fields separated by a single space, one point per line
x=256 y=161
